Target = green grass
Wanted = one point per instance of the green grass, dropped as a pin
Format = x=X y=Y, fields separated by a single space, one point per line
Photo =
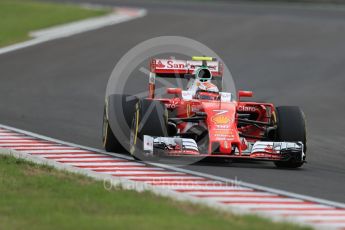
x=40 y=197
x=19 y=17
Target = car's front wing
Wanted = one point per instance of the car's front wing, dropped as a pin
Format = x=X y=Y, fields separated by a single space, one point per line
x=260 y=150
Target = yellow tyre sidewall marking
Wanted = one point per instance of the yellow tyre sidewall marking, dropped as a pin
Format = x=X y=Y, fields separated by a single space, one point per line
x=136 y=130
x=105 y=137
x=106 y=134
x=136 y=126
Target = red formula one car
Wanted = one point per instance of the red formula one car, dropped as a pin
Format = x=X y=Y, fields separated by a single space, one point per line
x=204 y=121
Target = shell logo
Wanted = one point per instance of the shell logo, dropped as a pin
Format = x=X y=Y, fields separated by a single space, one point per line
x=220 y=119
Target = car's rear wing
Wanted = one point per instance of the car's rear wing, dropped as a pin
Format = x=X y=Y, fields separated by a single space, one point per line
x=173 y=68
x=181 y=67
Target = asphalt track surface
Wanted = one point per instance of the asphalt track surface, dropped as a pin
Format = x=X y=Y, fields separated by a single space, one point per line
x=289 y=55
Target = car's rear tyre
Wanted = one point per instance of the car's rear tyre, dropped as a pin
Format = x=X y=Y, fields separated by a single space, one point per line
x=117 y=114
x=150 y=118
x=291 y=128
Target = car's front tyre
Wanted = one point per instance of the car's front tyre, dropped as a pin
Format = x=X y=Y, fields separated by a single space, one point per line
x=291 y=128
x=117 y=114
x=150 y=118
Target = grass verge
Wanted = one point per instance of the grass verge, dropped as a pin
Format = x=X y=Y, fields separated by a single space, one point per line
x=40 y=197
x=19 y=17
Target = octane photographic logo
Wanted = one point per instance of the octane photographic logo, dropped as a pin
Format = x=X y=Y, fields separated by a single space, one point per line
x=127 y=115
x=111 y=184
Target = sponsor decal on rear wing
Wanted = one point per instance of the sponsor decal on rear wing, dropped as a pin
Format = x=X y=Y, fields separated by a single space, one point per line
x=173 y=66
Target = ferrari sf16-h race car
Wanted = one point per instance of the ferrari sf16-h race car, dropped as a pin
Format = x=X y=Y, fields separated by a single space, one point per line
x=202 y=120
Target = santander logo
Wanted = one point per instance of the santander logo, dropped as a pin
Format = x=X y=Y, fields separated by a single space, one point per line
x=159 y=64
x=172 y=65
x=169 y=64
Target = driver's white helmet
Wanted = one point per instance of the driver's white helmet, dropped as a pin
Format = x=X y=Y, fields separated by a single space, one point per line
x=207 y=87
x=207 y=91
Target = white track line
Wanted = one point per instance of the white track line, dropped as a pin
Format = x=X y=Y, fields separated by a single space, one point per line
x=68 y=155
x=58 y=151
x=20 y=141
x=43 y=148
x=299 y=213
x=329 y=225
x=99 y=159
x=148 y=179
x=26 y=144
x=129 y=169
x=104 y=164
x=158 y=173
x=14 y=137
x=232 y=194
x=285 y=206
x=320 y=217
x=119 y=15
x=193 y=183
x=137 y=172
x=238 y=197
x=256 y=199
x=74 y=158
x=202 y=187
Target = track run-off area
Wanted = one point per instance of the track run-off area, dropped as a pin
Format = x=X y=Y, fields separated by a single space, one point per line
x=180 y=184
x=286 y=54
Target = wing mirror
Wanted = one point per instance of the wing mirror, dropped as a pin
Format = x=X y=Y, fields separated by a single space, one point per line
x=242 y=93
x=176 y=91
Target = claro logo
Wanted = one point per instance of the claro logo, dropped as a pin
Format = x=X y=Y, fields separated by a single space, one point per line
x=243 y=108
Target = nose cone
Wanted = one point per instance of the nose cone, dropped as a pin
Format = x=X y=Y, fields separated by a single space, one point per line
x=225 y=147
x=222 y=126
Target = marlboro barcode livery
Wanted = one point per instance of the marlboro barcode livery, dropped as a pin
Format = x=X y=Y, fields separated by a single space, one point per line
x=204 y=120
